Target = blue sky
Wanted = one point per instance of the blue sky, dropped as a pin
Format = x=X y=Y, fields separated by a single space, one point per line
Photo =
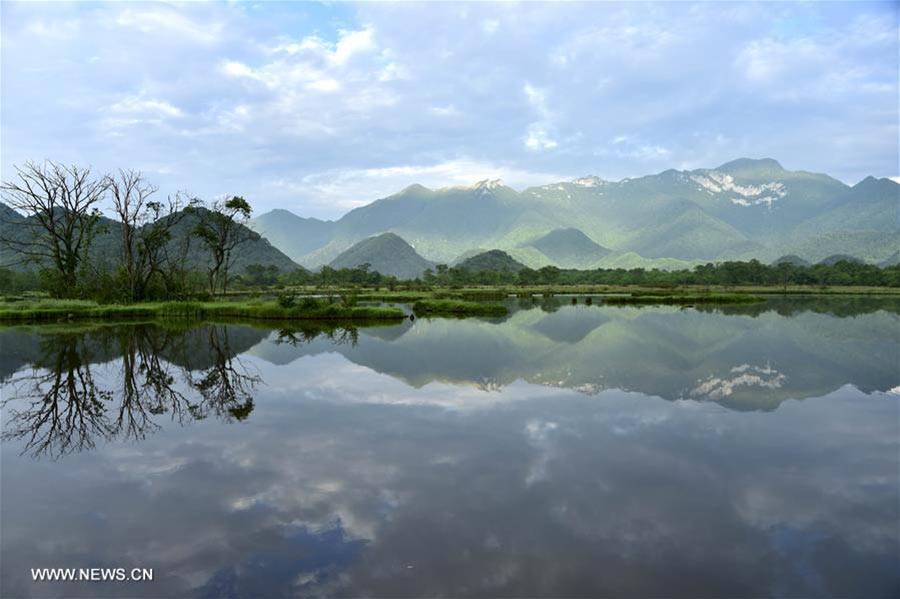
x=319 y=108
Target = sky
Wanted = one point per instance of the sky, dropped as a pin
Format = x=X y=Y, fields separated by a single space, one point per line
x=320 y=108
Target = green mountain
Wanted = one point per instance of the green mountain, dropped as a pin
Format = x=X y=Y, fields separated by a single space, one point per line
x=387 y=253
x=746 y=208
x=256 y=249
x=791 y=259
x=493 y=260
x=569 y=248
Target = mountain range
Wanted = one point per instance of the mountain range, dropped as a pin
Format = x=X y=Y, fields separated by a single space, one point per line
x=740 y=210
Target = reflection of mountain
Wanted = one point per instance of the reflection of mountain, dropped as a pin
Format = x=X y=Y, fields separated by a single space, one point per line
x=743 y=362
x=570 y=326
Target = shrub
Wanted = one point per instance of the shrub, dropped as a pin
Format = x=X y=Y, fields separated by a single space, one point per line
x=286 y=299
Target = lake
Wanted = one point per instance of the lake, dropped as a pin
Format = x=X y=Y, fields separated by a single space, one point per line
x=570 y=449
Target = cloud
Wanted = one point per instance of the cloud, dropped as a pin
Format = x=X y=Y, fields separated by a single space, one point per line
x=490 y=26
x=153 y=20
x=249 y=95
x=150 y=106
x=539 y=135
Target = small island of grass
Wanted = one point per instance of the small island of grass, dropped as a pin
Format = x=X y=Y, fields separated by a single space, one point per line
x=451 y=307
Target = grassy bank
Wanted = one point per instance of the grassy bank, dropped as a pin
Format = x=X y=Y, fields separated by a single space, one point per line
x=55 y=310
x=449 y=307
x=684 y=299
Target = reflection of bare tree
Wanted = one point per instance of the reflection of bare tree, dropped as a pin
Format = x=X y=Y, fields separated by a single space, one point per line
x=226 y=385
x=148 y=382
x=59 y=407
x=64 y=410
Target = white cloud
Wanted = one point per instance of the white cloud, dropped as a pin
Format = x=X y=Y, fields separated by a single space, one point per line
x=146 y=106
x=155 y=20
x=352 y=43
x=446 y=111
x=280 y=92
x=490 y=26
x=54 y=29
x=538 y=139
x=539 y=136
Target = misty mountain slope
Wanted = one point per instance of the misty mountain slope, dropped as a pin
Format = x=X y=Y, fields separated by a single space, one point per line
x=442 y=223
x=292 y=234
x=863 y=222
x=386 y=253
x=870 y=205
x=689 y=233
x=760 y=198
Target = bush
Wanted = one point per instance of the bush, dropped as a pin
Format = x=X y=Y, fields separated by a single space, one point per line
x=349 y=299
x=309 y=303
x=287 y=299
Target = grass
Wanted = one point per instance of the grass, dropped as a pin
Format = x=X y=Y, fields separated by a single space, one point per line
x=684 y=299
x=55 y=310
x=451 y=307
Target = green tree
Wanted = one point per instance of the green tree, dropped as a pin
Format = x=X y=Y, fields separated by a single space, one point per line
x=221 y=228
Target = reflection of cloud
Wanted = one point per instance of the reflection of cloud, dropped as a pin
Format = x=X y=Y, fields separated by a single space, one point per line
x=538 y=434
x=353 y=492
x=746 y=376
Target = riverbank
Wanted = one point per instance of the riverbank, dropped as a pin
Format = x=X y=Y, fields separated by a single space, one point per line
x=57 y=310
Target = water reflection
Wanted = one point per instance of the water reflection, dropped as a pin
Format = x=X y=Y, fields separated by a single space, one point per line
x=465 y=458
x=58 y=405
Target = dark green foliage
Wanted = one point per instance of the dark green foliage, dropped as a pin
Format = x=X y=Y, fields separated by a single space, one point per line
x=446 y=307
x=491 y=261
x=286 y=300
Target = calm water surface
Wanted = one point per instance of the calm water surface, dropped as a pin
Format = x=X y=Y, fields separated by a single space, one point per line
x=565 y=450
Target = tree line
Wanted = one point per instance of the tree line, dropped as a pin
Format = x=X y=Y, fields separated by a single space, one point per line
x=726 y=274
x=57 y=222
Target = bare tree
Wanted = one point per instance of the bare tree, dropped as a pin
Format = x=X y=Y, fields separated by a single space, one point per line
x=222 y=228
x=130 y=195
x=146 y=231
x=61 y=205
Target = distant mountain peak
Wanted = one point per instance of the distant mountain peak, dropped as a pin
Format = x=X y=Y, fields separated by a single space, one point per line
x=414 y=188
x=751 y=164
x=487 y=185
x=589 y=181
